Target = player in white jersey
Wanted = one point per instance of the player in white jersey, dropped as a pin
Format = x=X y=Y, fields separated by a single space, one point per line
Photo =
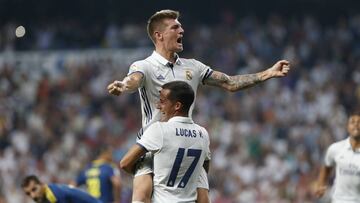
x=345 y=156
x=158 y=71
x=180 y=147
x=164 y=65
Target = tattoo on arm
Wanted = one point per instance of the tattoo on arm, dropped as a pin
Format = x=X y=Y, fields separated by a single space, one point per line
x=132 y=82
x=233 y=83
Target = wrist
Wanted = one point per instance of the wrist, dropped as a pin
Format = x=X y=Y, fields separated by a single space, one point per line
x=264 y=75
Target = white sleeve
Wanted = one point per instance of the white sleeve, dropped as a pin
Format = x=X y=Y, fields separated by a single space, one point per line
x=152 y=139
x=329 y=160
x=205 y=71
x=138 y=66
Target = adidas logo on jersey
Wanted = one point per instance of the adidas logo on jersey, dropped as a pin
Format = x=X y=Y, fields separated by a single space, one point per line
x=160 y=77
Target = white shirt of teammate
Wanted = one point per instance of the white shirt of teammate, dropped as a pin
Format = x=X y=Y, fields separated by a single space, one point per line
x=347 y=178
x=180 y=148
x=157 y=71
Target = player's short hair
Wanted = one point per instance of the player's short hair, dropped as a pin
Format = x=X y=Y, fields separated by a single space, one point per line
x=28 y=179
x=182 y=92
x=102 y=149
x=156 y=21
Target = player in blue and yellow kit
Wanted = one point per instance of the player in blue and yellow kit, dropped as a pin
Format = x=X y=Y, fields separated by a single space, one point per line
x=54 y=193
x=102 y=178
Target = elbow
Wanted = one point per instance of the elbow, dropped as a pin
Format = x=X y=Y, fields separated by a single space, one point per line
x=127 y=166
x=124 y=165
x=231 y=88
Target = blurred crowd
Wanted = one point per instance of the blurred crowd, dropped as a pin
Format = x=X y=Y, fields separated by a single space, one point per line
x=267 y=142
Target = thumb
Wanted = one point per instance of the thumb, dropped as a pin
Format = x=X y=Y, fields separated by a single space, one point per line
x=284 y=62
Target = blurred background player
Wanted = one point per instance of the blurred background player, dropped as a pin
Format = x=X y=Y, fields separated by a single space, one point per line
x=180 y=147
x=101 y=177
x=54 y=193
x=165 y=65
x=345 y=157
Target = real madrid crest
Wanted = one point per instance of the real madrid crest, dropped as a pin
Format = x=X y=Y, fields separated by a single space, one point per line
x=188 y=75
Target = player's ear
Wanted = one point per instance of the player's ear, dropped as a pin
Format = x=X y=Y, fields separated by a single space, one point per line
x=178 y=106
x=158 y=36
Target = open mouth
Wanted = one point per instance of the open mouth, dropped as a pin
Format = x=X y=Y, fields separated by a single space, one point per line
x=179 y=40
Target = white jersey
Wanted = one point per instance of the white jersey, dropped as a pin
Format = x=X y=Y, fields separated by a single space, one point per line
x=158 y=71
x=180 y=148
x=347 y=178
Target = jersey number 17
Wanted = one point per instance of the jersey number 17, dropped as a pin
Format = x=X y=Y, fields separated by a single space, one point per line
x=196 y=153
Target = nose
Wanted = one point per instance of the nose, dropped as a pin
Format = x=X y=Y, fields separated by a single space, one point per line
x=32 y=195
x=182 y=30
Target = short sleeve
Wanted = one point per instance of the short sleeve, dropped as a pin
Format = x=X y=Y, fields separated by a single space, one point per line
x=152 y=139
x=205 y=71
x=329 y=160
x=138 y=67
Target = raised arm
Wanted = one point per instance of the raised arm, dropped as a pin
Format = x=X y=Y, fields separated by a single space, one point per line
x=321 y=184
x=129 y=84
x=239 y=82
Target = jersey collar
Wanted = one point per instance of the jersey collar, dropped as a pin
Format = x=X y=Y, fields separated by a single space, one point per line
x=181 y=119
x=349 y=147
x=50 y=195
x=163 y=60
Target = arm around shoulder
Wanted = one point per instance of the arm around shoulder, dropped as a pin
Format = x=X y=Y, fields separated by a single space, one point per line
x=129 y=160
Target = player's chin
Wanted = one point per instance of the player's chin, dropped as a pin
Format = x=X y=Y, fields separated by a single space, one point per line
x=179 y=48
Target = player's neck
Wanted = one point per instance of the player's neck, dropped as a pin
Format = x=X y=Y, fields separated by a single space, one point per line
x=181 y=114
x=168 y=55
x=355 y=143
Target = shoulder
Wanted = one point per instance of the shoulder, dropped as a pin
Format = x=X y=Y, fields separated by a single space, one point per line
x=202 y=128
x=142 y=63
x=203 y=132
x=155 y=126
x=138 y=63
x=59 y=188
x=53 y=186
x=108 y=166
x=334 y=147
x=191 y=62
